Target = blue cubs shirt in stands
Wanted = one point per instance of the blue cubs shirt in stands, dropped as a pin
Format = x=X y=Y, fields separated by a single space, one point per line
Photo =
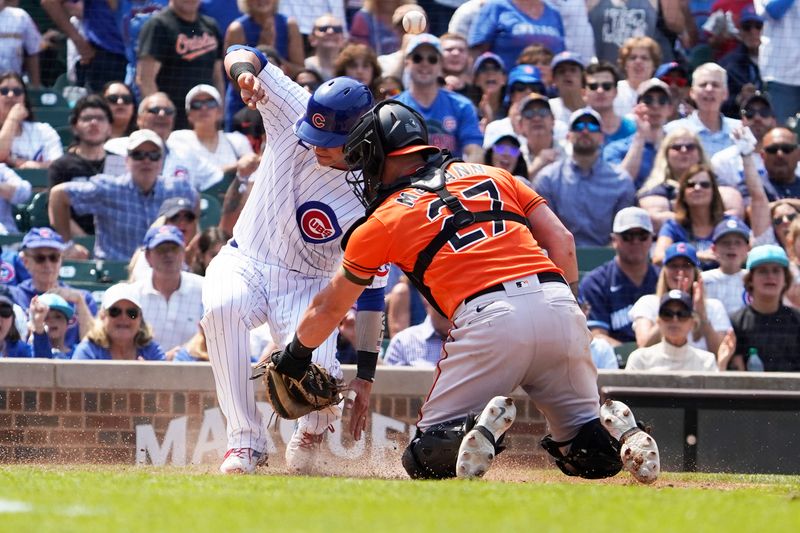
x=507 y=30
x=610 y=295
x=451 y=119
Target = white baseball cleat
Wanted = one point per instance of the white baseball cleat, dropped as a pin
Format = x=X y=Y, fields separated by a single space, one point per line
x=639 y=452
x=477 y=450
x=302 y=450
x=242 y=461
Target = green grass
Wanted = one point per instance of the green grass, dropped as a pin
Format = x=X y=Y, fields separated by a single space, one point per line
x=86 y=499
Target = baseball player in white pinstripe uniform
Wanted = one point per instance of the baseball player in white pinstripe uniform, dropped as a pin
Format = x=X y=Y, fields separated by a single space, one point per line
x=285 y=249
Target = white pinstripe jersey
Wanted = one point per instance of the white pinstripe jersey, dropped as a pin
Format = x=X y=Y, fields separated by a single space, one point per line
x=297 y=211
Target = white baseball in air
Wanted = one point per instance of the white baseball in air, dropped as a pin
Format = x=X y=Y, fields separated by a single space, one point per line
x=414 y=22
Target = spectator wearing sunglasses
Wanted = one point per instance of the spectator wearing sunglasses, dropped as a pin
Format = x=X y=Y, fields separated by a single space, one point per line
x=42 y=254
x=157 y=113
x=170 y=297
x=675 y=323
x=609 y=291
x=584 y=191
x=50 y=314
x=677 y=79
x=522 y=81
x=601 y=91
x=451 y=118
x=781 y=157
x=744 y=77
x=327 y=40
x=120 y=331
x=543 y=135
x=123 y=108
x=505 y=153
x=224 y=149
x=123 y=206
x=11 y=344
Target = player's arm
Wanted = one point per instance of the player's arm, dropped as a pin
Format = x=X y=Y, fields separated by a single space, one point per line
x=242 y=65
x=554 y=237
x=369 y=335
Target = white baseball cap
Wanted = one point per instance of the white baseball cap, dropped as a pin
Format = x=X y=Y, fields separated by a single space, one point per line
x=632 y=218
x=121 y=291
x=203 y=88
x=139 y=137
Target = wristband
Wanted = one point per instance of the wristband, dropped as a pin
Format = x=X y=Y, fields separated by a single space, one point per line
x=298 y=350
x=239 y=68
x=365 y=367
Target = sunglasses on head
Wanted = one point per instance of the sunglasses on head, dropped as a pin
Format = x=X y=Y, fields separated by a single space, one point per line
x=786 y=148
x=200 y=104
x=777 y=221
x=131 y=312
x=591 y=127
x=669 y=314
x=140 y=155
x=419 y=58
x=41 y=258
x=14 y=91
x=683 y=147
x=675 y=81
x=532 y=112
x=125 y=99
x=695 y=184
x=763 y=112
x=650 y=99
x=6 y=311
x=155 y=110
x=331 y=27
x=606 y=86
x=641 y=236
x=506 y=149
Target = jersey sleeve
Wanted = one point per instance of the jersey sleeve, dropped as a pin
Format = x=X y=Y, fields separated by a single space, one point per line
x=286 y=101
x=86 y=197
x=367 y=250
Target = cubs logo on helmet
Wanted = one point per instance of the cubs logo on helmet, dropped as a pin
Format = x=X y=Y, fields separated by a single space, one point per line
x=318 y=120
x=317 y=222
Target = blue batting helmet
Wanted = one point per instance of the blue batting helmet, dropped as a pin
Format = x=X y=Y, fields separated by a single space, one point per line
x=332 y=110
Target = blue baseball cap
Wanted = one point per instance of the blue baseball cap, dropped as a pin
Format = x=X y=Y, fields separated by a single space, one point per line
x=567 y=57
x=488 y=56
x=527 y=74
x=681 y=249
x=731 y=225
x=767 y=253
x=748 y=14
x=162 y=234
x=57 y=303
x=43 y=238
x=423 y=38
x=666 y=68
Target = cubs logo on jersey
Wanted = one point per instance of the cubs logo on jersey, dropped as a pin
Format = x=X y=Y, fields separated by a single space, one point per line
x=7 y=272
x=317 y=222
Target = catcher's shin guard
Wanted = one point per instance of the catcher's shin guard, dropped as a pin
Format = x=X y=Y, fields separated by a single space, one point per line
x=593 y=453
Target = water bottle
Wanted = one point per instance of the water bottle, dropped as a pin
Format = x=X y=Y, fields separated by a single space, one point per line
x=754 y=362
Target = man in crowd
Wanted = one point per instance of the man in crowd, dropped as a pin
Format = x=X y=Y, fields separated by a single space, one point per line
x=327 y=40
x=419 y=345
x=584 y=191
x=744 y=78
x=567 y=70
x=780 y=153
x=522 y=81
x=172 y=300
x=601 y=91
x=123 y=206
x=538 y=128
x=610 y=290
x=450 y=117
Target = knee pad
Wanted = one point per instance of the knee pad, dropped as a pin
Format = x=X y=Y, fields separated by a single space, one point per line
x=594 y=453
x=432 y=453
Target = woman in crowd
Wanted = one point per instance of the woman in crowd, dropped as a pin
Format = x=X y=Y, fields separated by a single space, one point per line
x=309 y=79
x=120 y=331
x=681 y=271
x=123 y=109
x=505 y=153
x=638 y=59
x=24 y=143
x=675 y=323
x=11 y=345
x=209 y=243
x=698 y=209
x=372 y=26
x=204 y=112
x=359 y=62
x=490 y=80
x=50 y=314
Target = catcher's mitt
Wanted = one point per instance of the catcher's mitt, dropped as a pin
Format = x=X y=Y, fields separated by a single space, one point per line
x=292 y=398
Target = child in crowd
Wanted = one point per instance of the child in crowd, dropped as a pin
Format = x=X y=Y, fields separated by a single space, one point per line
x=50 y=314
x=731 y=242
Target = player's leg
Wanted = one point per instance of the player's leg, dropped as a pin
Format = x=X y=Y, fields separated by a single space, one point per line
x=228 y=299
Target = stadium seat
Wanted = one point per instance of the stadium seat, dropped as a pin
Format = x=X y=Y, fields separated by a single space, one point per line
x=218 y=189
x=56 y=116
x=11 y=239
x=113 y=271
x=37 y=177
x=46 y=97
x=210 y=211
x=87 y=241
x=22 y=218
x=37 y=211
x=79 y=271
x=623 y=351
x=591 y=257
x=66 y=134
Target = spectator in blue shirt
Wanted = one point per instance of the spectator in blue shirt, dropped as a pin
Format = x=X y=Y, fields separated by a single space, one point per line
x=451 y=118
x=419 y=345
x=123 y=206
x=50 y=314
x=601 y=91
x=10 y=343
x=584 y=191
x=610 y=290
x=120 y=331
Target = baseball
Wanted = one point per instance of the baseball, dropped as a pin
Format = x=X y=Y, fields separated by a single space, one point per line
x=414 y=22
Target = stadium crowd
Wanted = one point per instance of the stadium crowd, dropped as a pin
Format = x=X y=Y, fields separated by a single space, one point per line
x=661 y=130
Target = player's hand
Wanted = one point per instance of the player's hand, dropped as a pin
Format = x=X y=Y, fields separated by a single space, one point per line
x=251 y=90
x=359 y=406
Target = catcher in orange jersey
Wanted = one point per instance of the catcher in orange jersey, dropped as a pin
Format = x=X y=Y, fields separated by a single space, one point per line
x=470 y=237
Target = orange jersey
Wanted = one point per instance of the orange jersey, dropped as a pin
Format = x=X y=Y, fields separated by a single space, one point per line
x=477 y=257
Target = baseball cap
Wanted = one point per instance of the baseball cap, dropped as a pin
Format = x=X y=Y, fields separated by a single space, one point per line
x=767 y=253
x=584 y=112
x=649 y=85
x=487 y=56
x=57 y=303
x=118 y=292
x=5 y=296
x=731 y=225
x=533 y=97
x=567 y=57
x=681 y=249
x=43 y=238
x=748 y=14
x=202 y=88
x=758 y=96
x=524 y=74
x=632 y=218
x=162 y=234
x=423 y=38
x=676 y=296
x=172 y=206
x=139 y=137
x=666 y=68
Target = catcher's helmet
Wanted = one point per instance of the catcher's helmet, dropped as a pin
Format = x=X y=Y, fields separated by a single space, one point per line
x=390 y=128
x=331 y=112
